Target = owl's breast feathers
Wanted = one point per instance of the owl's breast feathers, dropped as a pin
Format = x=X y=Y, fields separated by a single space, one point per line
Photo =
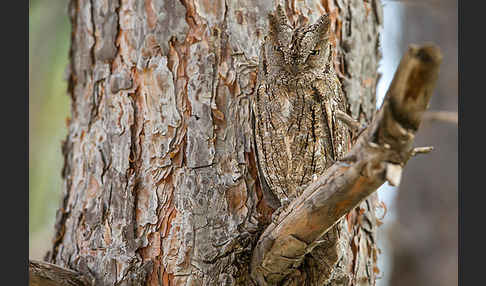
x=292 y=137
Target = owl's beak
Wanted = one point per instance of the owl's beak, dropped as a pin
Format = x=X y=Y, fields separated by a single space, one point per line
x=296 y=67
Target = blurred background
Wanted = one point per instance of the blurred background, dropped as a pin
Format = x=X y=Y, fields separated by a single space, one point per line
x=419 y=235
x=49 y=105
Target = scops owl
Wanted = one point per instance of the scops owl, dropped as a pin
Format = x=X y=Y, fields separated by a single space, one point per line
x=296 y=134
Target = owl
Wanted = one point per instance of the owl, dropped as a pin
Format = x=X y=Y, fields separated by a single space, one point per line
x=296 y=135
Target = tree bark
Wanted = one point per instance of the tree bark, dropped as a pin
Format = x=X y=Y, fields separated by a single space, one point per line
x=160 y=182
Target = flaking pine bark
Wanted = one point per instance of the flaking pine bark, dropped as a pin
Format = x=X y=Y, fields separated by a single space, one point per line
x=161 y=176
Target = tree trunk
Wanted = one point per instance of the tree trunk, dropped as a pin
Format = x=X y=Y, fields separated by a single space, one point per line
x=160 y=181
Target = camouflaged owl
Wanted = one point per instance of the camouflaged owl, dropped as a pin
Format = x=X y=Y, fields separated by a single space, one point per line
x=294 y=105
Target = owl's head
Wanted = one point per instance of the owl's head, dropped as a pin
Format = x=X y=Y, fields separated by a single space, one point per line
x=299 y=53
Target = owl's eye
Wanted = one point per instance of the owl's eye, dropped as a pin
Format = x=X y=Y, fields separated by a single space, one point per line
x=314 y=52
x=277 y=48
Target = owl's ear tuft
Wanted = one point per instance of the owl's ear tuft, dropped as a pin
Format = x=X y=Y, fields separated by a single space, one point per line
x=278 y=21
x=281 y=17
x=273 y=24
x=322 y=26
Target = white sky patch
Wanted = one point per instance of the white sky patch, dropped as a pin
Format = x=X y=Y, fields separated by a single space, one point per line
x=390 y=40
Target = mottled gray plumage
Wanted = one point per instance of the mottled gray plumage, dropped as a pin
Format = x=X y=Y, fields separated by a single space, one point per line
x=297 y=94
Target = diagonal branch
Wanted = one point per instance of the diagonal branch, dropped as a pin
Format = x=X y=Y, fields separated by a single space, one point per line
x=379 y=155
x=46 y=274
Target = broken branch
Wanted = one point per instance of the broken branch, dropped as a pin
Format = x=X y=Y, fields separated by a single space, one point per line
x=444 y=116
x=46 y=274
